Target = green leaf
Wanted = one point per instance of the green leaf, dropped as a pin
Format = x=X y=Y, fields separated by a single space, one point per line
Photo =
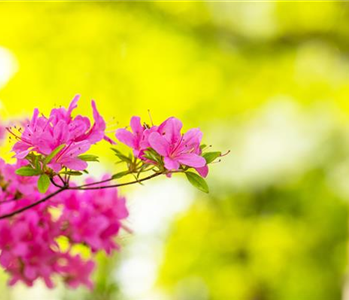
x=211 y=156
x=122 y=156
x=88 y=157
x=27 y=171
x=37 y=163
x=152 y=155
x=43 y=183
x=73 y=173
x=197 y=181
x=203 y=146
x=120 y=174
x=53 y=154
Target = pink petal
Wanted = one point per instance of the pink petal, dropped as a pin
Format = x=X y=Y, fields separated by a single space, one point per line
x=171 y=129
x=60 y=133
x=73 y=104
x=159 y=144
x=171 y=164
x=126 y=137
x=74 y=164
x=192 y=138
x=203 y=171
x=29 y=272
x=109 y=140
x=136 y=125
x=191 y=160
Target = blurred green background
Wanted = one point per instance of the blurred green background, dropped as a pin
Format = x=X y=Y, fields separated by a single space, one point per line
x=269 y=81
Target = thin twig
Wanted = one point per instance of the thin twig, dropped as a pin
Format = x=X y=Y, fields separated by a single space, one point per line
x=81 y=187
x=88 y=188
x=32 y=205
x=54 y=183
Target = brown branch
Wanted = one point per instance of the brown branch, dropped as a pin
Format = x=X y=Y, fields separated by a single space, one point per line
x=81 y=187
x=89 y=187
x=9 y=215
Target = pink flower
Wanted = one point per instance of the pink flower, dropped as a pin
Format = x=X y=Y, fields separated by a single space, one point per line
x=94 y=218
x=77 y=271
x=167 y=140
x=28 y=241
x=43 y=135
x=138 y=138
x=177 y=149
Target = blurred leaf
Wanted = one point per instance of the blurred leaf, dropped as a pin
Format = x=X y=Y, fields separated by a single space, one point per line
x=197 y=181
x=43 y=183
x=73 y=173
x=88 y=157
x=120 y=174
x=27 y=171
x=121 y=156
x=211 y=156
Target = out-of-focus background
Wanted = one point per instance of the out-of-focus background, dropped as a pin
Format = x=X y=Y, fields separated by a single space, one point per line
x=269 y=81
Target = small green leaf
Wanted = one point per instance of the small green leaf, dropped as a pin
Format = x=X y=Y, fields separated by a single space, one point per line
x=27 y=171
x=53 y=154
x=152 y=155
x=43 y=183
x=120 y=174
x=122 y=156
x=72 y=173
x=197 y=181
x=37 y=163
x=89 y=157
x=211 y=156
x=203 y=146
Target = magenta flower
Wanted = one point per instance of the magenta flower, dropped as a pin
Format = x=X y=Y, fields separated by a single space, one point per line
x=94 y=218
x=167 y=140
x=138 y=138
x=28 y=242
x=177 y=149
x=77 y=271
x=43 y=135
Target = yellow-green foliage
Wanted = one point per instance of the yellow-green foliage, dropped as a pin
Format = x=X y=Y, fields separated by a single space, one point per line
x=213 y=65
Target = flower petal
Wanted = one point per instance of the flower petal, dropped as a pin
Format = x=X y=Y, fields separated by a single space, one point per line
x=75 y=163
x=171 y=130
x=203 y=171
x=136 y=125
x=159 y=144
x=126 y=137
x=192 y=160
x=171 y=164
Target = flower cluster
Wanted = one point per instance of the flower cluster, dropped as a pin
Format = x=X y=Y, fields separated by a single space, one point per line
x=40 y=204
x=176 y=150
x=92 y=221
x=29 y=242
x=71 y=136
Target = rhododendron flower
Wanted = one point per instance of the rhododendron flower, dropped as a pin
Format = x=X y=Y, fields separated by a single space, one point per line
x=78 y=271
x=40 y=204
x=43 y=135
x=94 y=218
x=176 y=148
x=138 y=138
x=167 y=140
x=28 y=242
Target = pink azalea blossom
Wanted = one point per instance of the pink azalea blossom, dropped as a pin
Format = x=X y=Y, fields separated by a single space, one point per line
x=94 y=218
x=77 y=271
x=28 y=241
x=177 y=149
x=43 y=135
x=166 y=140
x=138 y=138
